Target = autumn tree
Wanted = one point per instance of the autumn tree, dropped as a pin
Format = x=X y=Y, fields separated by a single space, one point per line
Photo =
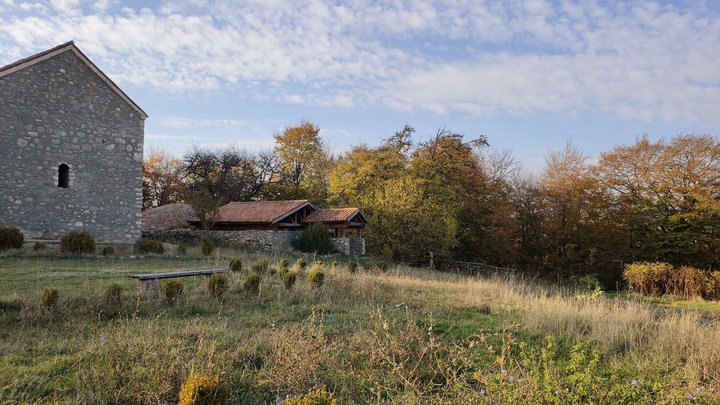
x=304 y=164
x=229 y=174
x=666 y=198
x=163 y=179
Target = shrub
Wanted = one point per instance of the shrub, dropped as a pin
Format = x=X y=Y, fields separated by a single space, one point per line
x=235 y=265
x=288 y=278
x=182 y=249
x=334 y=264
x=113 y=293
x=207 y=245
x=146 y=246
x=316 y=278
x=38 y=246
x=11 y=238
x=108 y=251
x=217 y=285
x=662 y=278
x=316 y=396
x=368 y=266
x=382 y=266
x=172 y=290
x=49 y=298
x=260 y=266
x=203 y=390
x=252 y=283
x=301 y=262
x=77 y=242
x=316 y=239
x=352 y=266
x=283 y=264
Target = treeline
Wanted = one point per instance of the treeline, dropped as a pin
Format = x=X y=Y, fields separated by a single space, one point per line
x=456 y=197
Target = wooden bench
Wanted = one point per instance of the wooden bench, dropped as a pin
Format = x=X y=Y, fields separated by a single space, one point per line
x=150 y=283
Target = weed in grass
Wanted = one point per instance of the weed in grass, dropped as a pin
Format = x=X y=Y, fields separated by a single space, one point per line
x=113 y=294
x=172 y=290
x=217 y=285
x=49 y=299
x=252 y=283
x=203 y=390
x=316 y=278
x=235 y=265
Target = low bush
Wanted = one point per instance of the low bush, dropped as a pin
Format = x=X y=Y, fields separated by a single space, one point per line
x=316 y=239
x=382 y=266
x=288 y=278
x=207 y=245
x=352 y=266
x=77 y=242
x=252 y=283
x=316 y=396
x=260 y=266
x=283 y=264
x=38 y=246
x=217 y=285
x=368 y=266
x=235 y=265
x=182 y=249
x=172 y=290
x=664 y=279
x=301 y=262
x=113 y=293
x=49 y=298
x=148 y=246
x=316 y=278
x=203 y=390
x=11 y=238
x=334 y=264
x=108 y=251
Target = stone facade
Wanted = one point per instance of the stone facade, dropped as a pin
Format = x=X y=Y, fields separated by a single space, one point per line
x=59 y=111
x=350 y=246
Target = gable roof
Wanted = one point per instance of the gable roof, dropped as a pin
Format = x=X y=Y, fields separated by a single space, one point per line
x=334 y=215
x=256 y=212
x=70 y=46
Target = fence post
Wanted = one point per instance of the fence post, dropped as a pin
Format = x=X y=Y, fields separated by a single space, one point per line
x=432 y=264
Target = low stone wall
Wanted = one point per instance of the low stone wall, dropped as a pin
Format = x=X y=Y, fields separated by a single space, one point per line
x=350 y=246
x=266 y=240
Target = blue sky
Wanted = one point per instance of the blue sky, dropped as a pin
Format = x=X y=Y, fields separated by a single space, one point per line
x=530 y=75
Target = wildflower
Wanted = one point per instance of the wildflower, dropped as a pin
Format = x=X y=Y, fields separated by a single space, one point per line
x=634 y=382
x=698 y=389
x=503 y=371
x=482 y=391
x=512 y=378
x=690 y=397
x=102 y=339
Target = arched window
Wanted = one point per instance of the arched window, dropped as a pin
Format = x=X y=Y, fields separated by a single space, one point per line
x=63 y=176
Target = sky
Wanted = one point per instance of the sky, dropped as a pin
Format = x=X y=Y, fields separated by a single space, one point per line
x=529 y=75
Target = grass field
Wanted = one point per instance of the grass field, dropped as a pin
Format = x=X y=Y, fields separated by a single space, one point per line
x=401 y=336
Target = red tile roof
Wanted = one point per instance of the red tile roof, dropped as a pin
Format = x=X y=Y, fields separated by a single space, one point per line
x=332 y=215
x=260 y=211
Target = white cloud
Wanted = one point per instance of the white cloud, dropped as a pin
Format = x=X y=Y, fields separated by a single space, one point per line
x=640 y=59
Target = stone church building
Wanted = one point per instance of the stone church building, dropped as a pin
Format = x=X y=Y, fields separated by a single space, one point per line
x=71 y=149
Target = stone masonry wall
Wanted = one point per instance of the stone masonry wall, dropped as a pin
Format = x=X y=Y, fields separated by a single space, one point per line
x=265 y=240
x=350 y=246
x=60 y=112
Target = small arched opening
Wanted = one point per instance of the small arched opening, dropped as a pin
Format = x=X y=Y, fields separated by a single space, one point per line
x=63 y=176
